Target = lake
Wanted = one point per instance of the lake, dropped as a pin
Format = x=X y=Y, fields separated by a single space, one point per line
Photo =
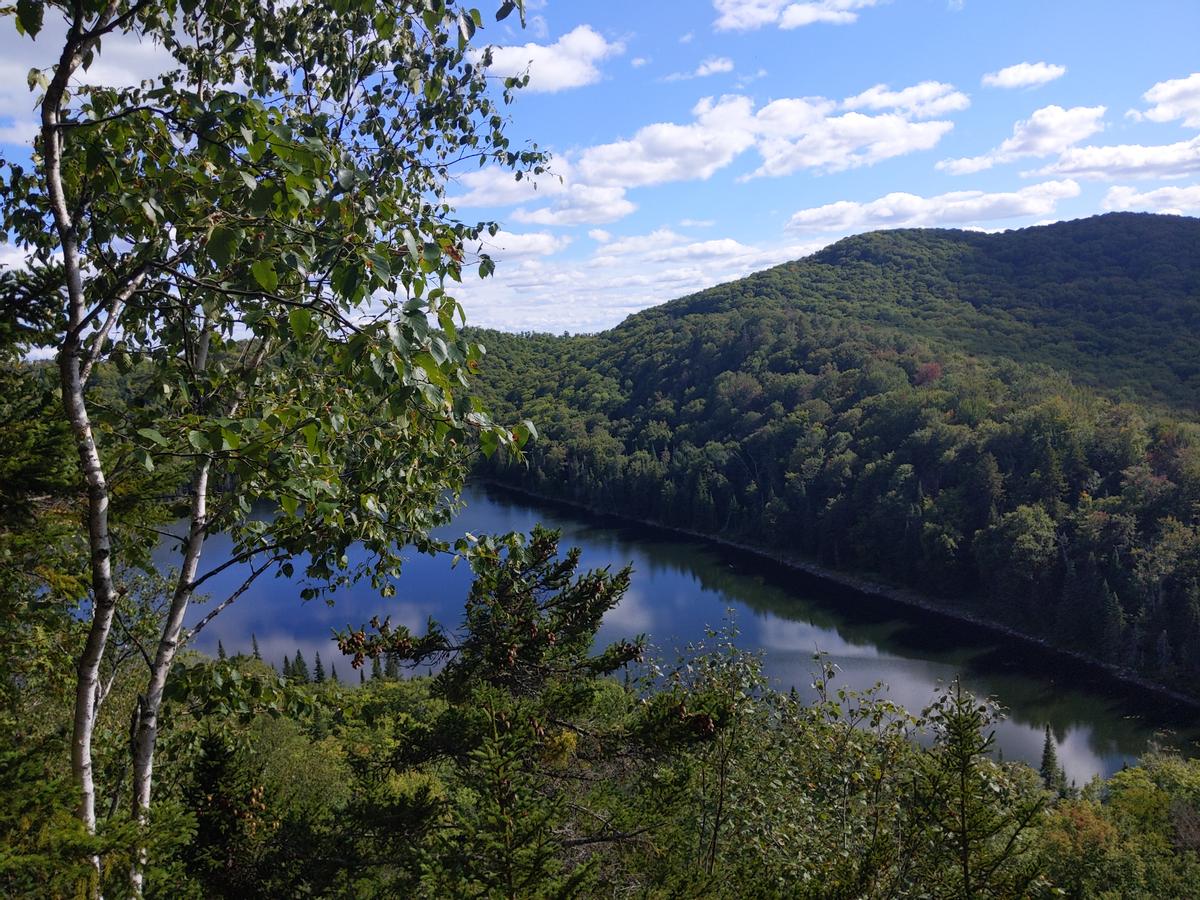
x=681 y=585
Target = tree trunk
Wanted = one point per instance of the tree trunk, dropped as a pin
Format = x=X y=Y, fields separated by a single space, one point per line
x=146 y=730
x=104 y=595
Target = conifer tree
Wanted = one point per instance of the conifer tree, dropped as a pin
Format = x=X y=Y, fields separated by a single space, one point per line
x=376 y=669
x=391 y=667
x=221 y=651
x=333 y=673
x=1049 y=768
x=362 y=676
x=254 y=646
x=300 y=668
x=287 y=667
x=318 y=669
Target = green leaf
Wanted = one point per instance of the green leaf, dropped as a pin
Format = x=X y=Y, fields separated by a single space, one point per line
x=290 y=504
x=505 y=10
x=300 y=320
x=29 y=16
x=264 y=273
x=223 y=244
x=152 y=434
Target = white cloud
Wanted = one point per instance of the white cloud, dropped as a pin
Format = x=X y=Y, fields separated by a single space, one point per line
x=696 y=223
x=1128 y=161
x=623 y=276
x=600 y=236
x=496 y=186
x=921 y=101
x=1049 y=130
x=123 y=61
x=1175 y=99
x=714 y=65
x=1172 y=200
x=582 y=204
x=848 y=142
x=747 y=15
x=505 y=245
x=900 y=210
x=638 y=61
x=1024 y=75
x=686 y=38
x=666 y=151
x=789 y=134
x=569 y=62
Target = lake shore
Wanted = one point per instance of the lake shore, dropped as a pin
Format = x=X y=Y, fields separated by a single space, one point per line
x=867 y=586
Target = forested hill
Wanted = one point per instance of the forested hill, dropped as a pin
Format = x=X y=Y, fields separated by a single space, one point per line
x=908 y=404
x=1114 y=300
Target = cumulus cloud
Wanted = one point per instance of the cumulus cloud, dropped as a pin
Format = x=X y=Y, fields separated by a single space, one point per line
x=921 y=101
x=1024 y=75
x=496 y=186
x=849 y=141
x=747 y=15
x=1178 y=98
x=714 y=65
x=901 y=210
x=623 y=275
x=581 y=204
x=1175 y=200
x=666 y=151
x=506 y=245
x=790 y=134
x=123 y=61
x=1049 y=130
x=1176 y=160
x=569 y=62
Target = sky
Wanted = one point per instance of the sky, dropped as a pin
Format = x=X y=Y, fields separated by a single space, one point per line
x=696 y=141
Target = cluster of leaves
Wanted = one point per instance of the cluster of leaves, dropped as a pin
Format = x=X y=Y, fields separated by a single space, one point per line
x=828 y=409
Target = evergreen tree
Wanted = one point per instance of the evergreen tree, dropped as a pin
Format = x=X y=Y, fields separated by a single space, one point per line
x=221 y=651
x=333 y=673
x=254 y=646
x=1049 y=769
x=376 y=669
x=287 y=667
x=318 y=669
x=391 y=667
x=300 y=669
x=362 y=676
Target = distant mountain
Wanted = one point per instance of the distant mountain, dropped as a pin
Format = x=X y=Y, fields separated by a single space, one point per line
x=1112 y=300
x=1003 y=421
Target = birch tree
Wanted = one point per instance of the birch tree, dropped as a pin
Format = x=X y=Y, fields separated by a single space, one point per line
x=259 y=236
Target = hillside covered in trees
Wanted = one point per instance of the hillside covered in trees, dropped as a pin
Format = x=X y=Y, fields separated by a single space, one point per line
x=1004 y=422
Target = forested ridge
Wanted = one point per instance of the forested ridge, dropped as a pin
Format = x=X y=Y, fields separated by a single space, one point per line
x=1003 y=422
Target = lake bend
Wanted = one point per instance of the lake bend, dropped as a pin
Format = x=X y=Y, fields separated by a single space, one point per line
x=681 y=585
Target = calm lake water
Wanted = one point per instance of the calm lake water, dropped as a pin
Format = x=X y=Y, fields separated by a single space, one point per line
x=681 y=585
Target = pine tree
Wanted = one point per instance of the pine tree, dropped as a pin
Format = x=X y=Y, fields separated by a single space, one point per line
x=1049 y=768
x=221 y=651
x=333 y=673
x=362 y=676
x=254 y=646
x=300 y=669
x=376 y=669
x=318 y=669
x=391 y=667
x=287 y=667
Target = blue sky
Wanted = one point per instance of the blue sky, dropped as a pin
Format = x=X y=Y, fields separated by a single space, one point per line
x=702 y=140
x=699 y=141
